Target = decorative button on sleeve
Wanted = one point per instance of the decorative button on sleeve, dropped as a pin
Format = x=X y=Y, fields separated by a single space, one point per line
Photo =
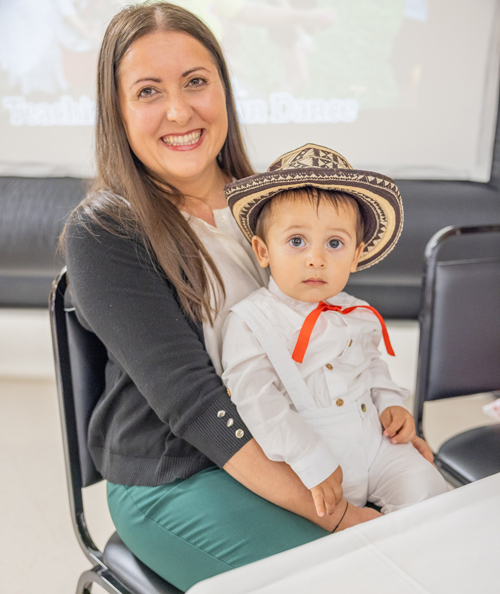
x=230 y=422
x=239 y=433
x=221 y=413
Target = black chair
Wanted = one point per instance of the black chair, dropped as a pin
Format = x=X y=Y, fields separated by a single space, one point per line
x=80 y=359
x=459 y=352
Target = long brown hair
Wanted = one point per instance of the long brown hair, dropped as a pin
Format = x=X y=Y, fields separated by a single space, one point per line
x=131 y=197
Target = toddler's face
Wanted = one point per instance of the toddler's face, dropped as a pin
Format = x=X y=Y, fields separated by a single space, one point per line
x=311 y=251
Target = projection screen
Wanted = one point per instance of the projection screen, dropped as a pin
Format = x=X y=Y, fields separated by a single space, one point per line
x=405 y=87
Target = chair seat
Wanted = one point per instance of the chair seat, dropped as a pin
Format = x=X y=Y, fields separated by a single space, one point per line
x=138 y=578
x=474 y=454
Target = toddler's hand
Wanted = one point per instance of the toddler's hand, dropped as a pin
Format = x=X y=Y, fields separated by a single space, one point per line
x=329 y=493
x=398 y=424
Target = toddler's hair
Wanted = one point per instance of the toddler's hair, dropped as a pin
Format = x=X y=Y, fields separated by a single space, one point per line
x=314 y=195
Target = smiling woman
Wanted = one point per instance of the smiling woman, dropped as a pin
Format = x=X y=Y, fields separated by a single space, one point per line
x=161 y=77
x=155 y=261
x=179 y=108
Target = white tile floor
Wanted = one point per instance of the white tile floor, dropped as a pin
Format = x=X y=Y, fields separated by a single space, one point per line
x=38 y=550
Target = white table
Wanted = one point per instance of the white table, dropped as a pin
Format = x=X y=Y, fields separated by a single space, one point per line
x=446 y=545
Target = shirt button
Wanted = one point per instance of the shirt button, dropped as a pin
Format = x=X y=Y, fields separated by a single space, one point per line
x=221 y=413
x=350 y=343
x=229 y=392
x=329 y=366
x=363 y=407
x=239 y=433
x=339 y=402
x=231 y=421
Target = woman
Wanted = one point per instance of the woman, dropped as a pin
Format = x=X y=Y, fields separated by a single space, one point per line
x=155 y=261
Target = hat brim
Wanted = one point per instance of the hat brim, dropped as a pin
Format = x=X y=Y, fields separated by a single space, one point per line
x=377 y=193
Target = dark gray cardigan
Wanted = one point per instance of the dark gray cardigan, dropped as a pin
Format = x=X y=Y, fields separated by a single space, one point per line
x=157 y=419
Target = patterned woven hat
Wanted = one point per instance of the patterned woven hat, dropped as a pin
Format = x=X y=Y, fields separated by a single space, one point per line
x=321 y=167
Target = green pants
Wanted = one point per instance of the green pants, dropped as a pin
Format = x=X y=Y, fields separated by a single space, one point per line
x=192 y=529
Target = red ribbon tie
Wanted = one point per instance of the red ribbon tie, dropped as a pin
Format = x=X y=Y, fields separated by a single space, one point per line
x=310 y=321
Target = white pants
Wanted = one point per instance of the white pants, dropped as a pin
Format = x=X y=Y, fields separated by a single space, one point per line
x=400 y=476
x=391 y=476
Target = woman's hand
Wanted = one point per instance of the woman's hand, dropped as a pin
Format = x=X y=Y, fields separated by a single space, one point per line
x=278 y=483
x=328 y=494
x=398 y=424
x=423 y=448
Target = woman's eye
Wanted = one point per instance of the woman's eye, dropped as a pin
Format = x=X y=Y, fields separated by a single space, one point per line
x=147 y=92
x=296 y=242
x=197 y=82
x=335 y=244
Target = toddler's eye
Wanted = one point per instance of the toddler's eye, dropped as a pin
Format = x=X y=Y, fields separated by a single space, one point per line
x=335 y=244
x=296 y=242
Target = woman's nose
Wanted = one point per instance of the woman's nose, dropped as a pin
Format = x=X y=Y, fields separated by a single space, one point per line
x=178 y=110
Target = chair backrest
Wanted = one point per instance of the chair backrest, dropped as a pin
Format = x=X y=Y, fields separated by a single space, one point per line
x=80 y=360
x=459 y=351
x=87 y=361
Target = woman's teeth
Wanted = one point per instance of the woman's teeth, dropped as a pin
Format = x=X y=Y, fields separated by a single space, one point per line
x=183 y=140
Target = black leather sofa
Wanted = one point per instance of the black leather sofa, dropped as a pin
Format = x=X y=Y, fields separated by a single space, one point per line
x=33 y=211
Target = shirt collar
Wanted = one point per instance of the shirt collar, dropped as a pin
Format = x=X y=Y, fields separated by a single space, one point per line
x=222 y=218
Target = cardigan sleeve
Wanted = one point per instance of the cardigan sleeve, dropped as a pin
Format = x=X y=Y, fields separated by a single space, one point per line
x=136 y=314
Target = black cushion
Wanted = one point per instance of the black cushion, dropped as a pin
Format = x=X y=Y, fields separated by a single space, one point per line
x=33 y=214
x=475 y=454
x=138 y=578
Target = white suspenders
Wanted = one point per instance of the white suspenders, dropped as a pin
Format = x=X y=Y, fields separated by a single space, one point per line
x=277 y=352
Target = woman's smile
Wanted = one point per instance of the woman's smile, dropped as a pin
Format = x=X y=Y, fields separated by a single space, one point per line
x=183 y=142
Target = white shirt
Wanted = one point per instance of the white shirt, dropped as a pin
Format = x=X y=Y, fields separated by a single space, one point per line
x=237 y=265
x=341 y=361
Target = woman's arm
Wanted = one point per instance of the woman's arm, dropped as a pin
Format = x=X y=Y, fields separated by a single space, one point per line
x=276 y=482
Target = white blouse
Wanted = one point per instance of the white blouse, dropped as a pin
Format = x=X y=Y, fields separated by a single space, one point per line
x=237 y=265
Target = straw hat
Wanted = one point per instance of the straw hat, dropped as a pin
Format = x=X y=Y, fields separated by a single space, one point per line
x=321 y=167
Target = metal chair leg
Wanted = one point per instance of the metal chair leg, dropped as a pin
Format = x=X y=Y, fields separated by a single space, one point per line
x=85 y=582
x=101 y=576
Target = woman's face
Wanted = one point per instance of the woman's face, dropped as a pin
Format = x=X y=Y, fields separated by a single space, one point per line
x=173 y=106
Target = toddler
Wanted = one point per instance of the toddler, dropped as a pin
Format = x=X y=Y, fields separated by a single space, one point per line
x=300 y=357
